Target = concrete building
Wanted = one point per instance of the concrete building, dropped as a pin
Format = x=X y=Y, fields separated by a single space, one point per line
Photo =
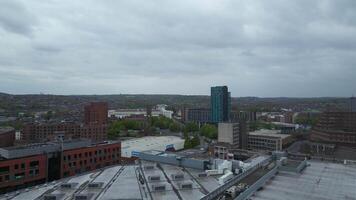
x=220 y=104
x=233 y=133
x=27 y=165
x=268 y=140
x=336 y=128
x=132 y=148
x=96 y=113
x=7 y=136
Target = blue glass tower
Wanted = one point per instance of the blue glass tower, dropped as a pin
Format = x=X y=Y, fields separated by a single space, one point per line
x=220 y=104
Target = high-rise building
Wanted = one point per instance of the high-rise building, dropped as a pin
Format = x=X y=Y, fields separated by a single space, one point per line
x=96 y=113
x=353 y=104
x=220 y=104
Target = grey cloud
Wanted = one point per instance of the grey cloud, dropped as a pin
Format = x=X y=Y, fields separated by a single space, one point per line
x=258 y=48
x=14 y=17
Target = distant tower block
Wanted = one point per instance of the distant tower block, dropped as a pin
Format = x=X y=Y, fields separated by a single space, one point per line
x=353 y=104
x=96 y=113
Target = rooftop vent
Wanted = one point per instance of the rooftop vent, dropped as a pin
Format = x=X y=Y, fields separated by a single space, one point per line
x=154 y=178
x=202 y=175
x=159 y=187
x=68 y=185
x=177 y=176
x=149 y=167
x=95 y=185
x=50 y=197
x=186 y=186
x=53 y=196
x=87 y=196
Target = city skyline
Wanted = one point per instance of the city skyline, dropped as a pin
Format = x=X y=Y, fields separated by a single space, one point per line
x=257 y=48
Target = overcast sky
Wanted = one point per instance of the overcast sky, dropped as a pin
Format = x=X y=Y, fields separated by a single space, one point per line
x=273 y=48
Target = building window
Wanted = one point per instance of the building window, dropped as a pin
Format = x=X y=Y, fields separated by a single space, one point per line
x=16 y=166
x=34 y=163
x=22 y=165
x=4 y=170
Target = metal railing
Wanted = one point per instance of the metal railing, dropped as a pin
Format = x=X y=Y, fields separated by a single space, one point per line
x=220 y=190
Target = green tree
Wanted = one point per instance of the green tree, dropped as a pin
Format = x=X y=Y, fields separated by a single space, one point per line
x=209 y=131
x=191 y=127
x=174 y=127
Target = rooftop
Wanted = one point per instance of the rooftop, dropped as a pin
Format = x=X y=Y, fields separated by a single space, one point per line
x=321 y=180
x=150 y=143
x=269 y=133
x=6 y=129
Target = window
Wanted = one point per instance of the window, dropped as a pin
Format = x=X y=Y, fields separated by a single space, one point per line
x=22 y=165
x=34 y=163
x=4 y=170
x=16 y=166
x=19 y=176
x=7 y=177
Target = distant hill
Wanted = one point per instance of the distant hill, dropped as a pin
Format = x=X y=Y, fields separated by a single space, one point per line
x=39 y=102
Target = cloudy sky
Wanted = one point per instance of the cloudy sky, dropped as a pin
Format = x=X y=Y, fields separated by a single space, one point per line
x=262 y=48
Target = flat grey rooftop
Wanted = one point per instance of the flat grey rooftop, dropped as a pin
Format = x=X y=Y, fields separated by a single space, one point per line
x=319 y=181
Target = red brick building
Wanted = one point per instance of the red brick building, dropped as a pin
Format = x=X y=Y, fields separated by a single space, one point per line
x=76 y=161
x=23 y=171
x=95 y=127
x=23 y=166
x=335 y=128
x=7 y=136
x=96 y=113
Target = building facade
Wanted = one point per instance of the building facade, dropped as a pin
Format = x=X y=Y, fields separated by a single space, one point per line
x=220 y=104
x=7 y=136
x=198 y=115
x=96 y=113
x=336 y=128
x=268 y=140
x=42 y=132
x=22 y=166
x=234 y=134
x=75 y=161
x=25 y=171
